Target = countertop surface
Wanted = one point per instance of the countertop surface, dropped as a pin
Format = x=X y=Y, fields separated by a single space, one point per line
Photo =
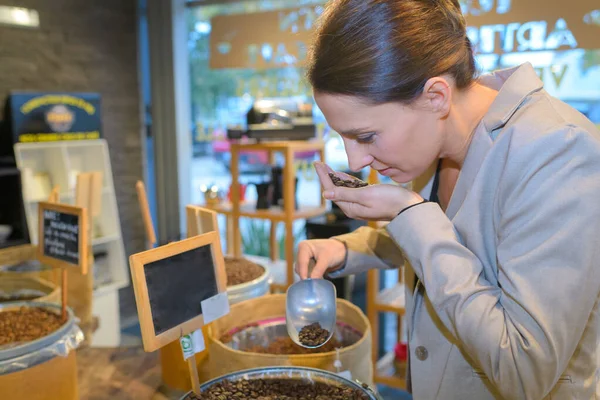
x=120 y=374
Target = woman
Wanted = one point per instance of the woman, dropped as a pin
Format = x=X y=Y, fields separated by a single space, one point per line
x=505 y=303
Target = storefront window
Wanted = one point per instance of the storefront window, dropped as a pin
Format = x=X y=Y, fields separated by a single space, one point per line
x=239 y=53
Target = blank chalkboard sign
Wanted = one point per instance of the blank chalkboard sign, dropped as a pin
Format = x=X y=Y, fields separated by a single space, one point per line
x=62 y=235
x=178 y=285
x=170 y=284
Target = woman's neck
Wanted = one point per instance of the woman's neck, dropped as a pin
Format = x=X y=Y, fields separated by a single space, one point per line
x=468 y=109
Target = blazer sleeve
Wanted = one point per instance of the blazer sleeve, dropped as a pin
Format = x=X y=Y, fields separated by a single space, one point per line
x=523 y=329
x=368 y=248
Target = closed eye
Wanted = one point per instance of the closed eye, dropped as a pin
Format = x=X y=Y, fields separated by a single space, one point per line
x=366 y=138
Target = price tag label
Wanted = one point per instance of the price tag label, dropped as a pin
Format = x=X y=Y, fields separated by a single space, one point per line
x=215 y=307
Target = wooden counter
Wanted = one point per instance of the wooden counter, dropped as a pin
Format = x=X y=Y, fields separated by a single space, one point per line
x=126 y=373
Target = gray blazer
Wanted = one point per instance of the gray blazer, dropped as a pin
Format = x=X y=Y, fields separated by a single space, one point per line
x=506 y=305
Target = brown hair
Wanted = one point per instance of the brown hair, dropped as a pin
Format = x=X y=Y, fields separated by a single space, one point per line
x=386 y=50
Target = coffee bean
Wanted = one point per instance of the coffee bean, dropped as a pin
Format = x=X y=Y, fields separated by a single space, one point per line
x=313 y=335
x=240 y=270
x=351 y=183
x=27 y=324
x=277 y=389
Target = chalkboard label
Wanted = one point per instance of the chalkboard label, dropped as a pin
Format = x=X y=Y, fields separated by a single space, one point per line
x=62 y=235
x=171 y=283
x=178 y=285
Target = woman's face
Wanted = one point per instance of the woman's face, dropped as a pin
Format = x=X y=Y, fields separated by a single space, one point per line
x=399 y=141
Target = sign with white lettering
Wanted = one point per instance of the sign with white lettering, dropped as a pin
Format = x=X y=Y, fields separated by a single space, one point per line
x=63 y=236
x=508 y=26
x=560 y=42
x=277 y=39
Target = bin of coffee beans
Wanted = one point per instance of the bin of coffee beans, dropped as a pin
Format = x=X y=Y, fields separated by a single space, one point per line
x=27 y=324
x=271 y=337
x=282 y=383
x=277 y=389
x=313 y=335
x=241 y=270
x=351 y=183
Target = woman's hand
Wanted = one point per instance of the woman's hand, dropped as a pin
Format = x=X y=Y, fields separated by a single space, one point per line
x=374 y=202
x=329 y=255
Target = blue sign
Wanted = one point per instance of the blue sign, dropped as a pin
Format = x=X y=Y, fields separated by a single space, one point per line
x=51 y=117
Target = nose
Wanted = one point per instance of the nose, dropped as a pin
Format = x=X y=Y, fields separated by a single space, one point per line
x=358 y=157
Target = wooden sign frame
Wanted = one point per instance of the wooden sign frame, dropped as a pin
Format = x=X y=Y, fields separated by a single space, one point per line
x=81 y=214
x=200 y=220
x=137 y=263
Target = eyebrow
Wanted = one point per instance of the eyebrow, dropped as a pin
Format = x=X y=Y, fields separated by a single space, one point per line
x=355 y=131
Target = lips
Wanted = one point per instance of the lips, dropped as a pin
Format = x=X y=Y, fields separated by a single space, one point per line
x=385 y=171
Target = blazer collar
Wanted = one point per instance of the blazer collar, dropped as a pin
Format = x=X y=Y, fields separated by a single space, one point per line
x=514 y=85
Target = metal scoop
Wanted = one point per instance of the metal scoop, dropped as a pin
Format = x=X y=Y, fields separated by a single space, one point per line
x=309 y=301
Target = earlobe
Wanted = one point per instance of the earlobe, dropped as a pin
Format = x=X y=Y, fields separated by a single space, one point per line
x=438 y=94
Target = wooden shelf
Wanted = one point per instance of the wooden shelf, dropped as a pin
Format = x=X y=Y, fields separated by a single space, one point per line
x=273 y=213
x=286 y=214
x=392 y=299
x=280 y=146
x=387 y=374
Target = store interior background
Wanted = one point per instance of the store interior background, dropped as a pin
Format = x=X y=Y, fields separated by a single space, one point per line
x=165 y=109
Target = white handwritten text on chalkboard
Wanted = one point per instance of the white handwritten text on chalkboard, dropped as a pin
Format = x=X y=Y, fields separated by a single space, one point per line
x=61 y=236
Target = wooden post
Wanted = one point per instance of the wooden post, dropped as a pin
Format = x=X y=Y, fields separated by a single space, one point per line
x=235 y=200
x=64 y=289
x=55 y=198
x=54 y=195
x=194 y=374
x=200 y=220
x=373 y=291
x=273 y=246
x=289 y=196
x=146 y=216
x=89 y=196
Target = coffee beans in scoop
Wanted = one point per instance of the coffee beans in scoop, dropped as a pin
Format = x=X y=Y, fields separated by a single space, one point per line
x=313 y=335
x=351 y=183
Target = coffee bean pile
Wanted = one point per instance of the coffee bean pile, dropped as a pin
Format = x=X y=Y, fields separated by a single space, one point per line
x=27 y=324
x=277 y=389
x=351 y=183
x=285 y=345
x=240 y=270
x=313 y=335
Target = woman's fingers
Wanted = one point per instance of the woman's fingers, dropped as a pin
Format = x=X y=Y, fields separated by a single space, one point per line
x=303 y=258
x=323 y=171
x=321 y=266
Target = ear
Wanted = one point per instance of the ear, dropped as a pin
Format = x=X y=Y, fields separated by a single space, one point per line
x=437 y=95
